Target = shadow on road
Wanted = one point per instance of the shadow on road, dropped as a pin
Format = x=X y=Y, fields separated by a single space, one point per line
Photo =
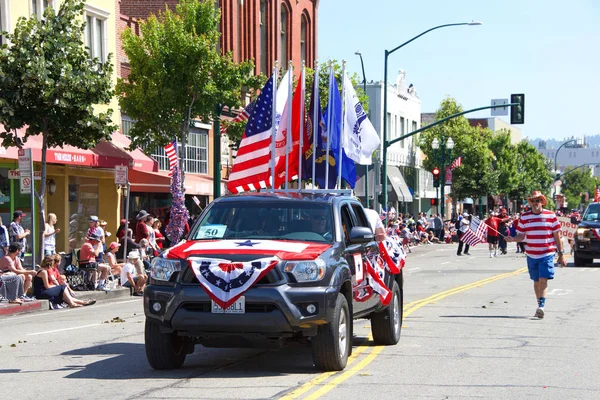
x=488 y=316
x=121 y=361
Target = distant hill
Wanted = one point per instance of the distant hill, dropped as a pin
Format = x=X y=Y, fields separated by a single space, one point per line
x=583 y=141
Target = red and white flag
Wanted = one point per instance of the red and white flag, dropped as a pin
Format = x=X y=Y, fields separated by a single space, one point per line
x=456 y=163
x=377 y=283
x=597 y=194
x=171 y=152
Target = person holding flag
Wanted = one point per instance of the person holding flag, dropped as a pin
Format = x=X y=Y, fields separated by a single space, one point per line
x=540 y=229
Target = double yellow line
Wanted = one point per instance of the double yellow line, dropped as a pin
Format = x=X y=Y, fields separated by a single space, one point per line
x=373 y=351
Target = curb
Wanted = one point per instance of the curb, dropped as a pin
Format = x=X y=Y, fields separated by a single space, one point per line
x=7 y=310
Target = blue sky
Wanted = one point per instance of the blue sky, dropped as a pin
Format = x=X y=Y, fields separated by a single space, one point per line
x=549 y=50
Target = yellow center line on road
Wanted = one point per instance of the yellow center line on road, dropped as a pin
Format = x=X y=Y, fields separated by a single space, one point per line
x=375 y=350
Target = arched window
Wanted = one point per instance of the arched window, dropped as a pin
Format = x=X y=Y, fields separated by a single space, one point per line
x=284 y=36
x=304 y=39
x=264 y=33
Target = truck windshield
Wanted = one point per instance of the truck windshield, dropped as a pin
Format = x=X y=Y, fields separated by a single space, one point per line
x=592 y=213
x=266 y=220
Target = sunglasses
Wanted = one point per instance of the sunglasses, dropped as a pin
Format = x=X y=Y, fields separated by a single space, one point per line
x=535 y=201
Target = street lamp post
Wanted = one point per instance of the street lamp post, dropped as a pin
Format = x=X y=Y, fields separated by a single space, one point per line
x=555 y=155
x=385 y=87
x=362 y=64
x=442 y=145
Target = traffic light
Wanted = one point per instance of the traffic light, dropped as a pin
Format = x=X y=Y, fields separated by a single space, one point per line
x=434 y=202
x=436 y=177
x=517 y=113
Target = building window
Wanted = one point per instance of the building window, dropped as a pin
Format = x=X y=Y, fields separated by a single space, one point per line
x=402 y=131
x=284 y=57
x=126 y=125
x=196 y=160
x=264 y=36
x=37 y=7
x=303 y=38
x=414 y=126
x=95 y=32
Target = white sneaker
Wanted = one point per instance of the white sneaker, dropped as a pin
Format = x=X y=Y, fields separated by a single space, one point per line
x=491 y=255
x=539 y=313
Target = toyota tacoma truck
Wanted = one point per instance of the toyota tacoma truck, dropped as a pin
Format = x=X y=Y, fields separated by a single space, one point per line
x=260 y=269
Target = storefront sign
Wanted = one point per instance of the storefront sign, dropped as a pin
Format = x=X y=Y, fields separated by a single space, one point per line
x=25 y=185
x=16 y=174
x=121 y=175
x=25 y=162
x=67 y=157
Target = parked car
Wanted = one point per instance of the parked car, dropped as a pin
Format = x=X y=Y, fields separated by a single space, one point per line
x=297 y=260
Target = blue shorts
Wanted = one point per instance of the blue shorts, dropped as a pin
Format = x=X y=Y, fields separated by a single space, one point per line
x=541 y=267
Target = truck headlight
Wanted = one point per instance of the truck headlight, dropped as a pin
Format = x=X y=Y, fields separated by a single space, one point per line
x=162 y=268
x=581 y=233
x=306 y=271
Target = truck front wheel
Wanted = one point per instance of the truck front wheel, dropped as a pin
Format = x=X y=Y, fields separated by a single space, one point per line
x=331 y=346
x=163 y=350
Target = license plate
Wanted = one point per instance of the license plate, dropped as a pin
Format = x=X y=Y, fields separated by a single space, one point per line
x=239 y=307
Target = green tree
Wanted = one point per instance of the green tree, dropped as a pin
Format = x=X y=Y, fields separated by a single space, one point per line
x=533 y=173
x=579 y=186
x=504 y=161
x=49 y=84
x=477 y=176
x=178 y=74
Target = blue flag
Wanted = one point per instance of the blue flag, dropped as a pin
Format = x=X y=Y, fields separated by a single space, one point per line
x=333 y=122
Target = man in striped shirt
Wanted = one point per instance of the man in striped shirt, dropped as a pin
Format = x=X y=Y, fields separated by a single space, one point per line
x=541 y=231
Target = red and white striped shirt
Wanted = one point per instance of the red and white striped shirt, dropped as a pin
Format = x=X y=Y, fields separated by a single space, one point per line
x=539 y=232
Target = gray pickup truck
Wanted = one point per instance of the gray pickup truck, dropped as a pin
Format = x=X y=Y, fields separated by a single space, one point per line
x=260 y=269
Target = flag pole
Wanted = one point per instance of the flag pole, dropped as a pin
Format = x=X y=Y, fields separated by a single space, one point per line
x=273 y=124
x=289 y=126
x=316 y=120
x=302 y=125
x=328 y=128
x=341 y=127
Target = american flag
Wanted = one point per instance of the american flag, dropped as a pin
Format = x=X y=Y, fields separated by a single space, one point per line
x=456 y=163
x=597 y=194
x=243 y=116
x=250 y=169
x=171 y=151
x=476 y=233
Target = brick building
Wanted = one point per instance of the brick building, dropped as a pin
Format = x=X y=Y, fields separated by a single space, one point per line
x=259 y=30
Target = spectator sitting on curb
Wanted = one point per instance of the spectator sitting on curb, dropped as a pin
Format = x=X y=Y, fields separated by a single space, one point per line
x=12 y=263
x=129 y=277
x=54 y=275
x=87 y=260
x=11 y=287
x=57 y=294
x=115 y=268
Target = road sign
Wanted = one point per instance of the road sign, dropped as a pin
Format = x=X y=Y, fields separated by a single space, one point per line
x=500 y=111
x=120 y=175
x=25 y=162
x=25 y=185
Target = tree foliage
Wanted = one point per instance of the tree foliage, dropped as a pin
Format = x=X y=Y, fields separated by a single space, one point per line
x=578 y=186
x=477 y=176
x=49 y=84
x=178 y=73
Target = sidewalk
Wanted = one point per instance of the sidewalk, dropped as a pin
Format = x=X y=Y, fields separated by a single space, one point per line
x=44 y=306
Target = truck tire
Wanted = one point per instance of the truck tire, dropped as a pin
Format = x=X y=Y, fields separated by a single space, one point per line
x=386 y=325
x=579 y=261
x=331 y=346
x=163 y=350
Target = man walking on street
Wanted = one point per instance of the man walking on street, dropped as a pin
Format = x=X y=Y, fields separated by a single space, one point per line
x=541 y=231
x=463 y=227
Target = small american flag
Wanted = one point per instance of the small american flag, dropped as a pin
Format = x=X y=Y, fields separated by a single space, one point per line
x=476 y=233
x=243 y=116
x=171 y=152
x=456 y=163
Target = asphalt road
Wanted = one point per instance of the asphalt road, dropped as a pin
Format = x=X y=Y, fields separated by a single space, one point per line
x=468 y=332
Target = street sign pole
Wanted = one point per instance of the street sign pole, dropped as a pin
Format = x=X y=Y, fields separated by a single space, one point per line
x=33 y=235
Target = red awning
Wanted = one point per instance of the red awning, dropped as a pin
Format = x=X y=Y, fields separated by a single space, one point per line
x=104 y=155
x=160 y=182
